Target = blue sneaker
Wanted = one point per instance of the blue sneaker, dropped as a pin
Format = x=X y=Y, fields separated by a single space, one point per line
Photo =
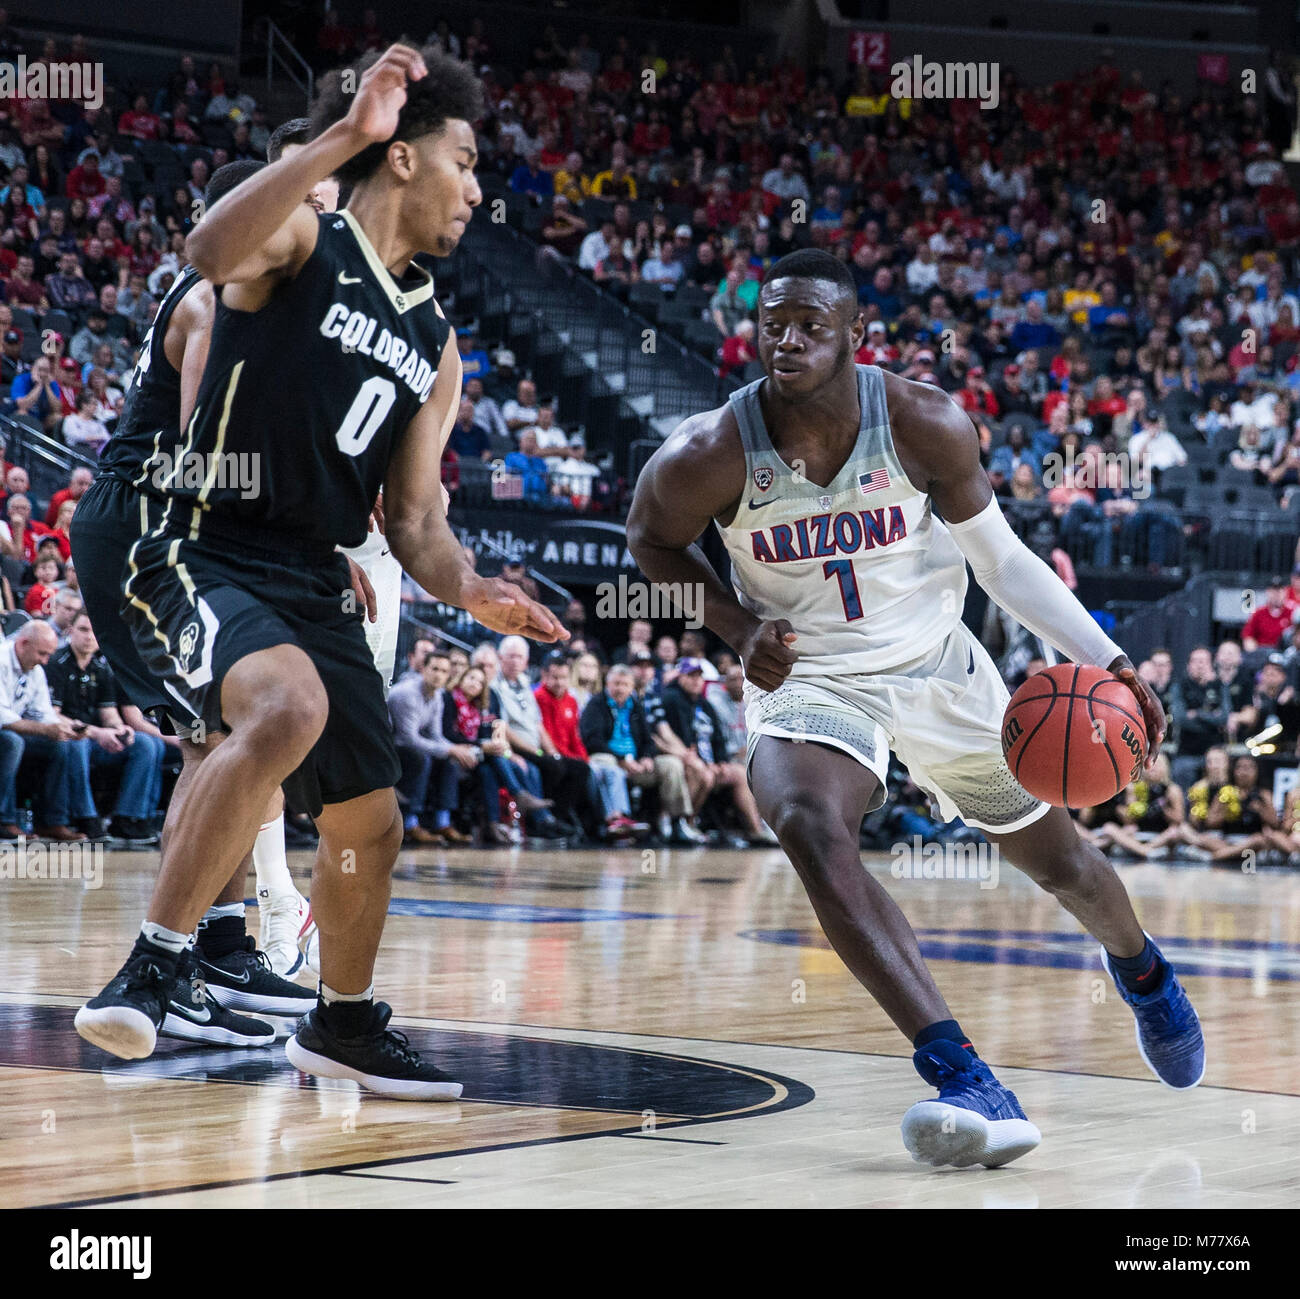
x=1168 y=1032
x=976 y=1120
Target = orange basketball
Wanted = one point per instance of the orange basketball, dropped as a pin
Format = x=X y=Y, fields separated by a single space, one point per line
x=1074 y=736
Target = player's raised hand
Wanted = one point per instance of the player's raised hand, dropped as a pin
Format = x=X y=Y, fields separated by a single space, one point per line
x=502 y=606
x=768 y=654
x=382 y=93
x=1152 y=711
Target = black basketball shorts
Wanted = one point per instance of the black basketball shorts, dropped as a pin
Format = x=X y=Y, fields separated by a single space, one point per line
x=199 y=599
x=108 y=521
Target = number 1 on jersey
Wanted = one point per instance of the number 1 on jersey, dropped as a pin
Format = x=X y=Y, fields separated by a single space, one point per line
x=842 y=571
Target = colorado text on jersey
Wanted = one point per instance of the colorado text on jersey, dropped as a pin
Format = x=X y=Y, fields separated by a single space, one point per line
x=355 y=330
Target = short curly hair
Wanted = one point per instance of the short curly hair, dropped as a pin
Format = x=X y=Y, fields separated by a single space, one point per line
x=450 y=90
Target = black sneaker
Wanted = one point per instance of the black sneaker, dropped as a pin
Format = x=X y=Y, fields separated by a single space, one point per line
x=243 y=980
x=133 y=831
x=125 y=1018
x=92 y=827
x=194 y=1016
x=380 y=1059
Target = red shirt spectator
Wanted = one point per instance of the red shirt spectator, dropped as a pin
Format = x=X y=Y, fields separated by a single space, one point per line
x=85 y=180
x=40 y=600
x=738 y=351
x=139 y=121
x=560 y=714
x=450 y=471
x=77 y=484
x=1266 y=626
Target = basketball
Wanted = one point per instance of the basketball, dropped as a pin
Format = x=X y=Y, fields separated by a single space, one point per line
x=1074 y=736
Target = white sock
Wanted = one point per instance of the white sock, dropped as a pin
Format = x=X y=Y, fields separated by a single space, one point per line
x=235 y=909
x=168 y=939
x=269 y=861
x=328 y=995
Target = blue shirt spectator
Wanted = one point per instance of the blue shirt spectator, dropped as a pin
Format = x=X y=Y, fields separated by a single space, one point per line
x=530 y=466
x=527 y=179
x=1027 y=334
x=474 y=360
x=467 y=438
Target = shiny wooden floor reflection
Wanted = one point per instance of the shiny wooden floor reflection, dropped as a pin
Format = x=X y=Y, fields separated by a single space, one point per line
x=667 y=1029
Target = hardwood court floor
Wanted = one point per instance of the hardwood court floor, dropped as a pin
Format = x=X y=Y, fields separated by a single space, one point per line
x=667 y=1030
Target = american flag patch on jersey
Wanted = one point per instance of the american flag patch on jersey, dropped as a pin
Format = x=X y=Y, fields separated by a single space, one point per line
x=875 y=481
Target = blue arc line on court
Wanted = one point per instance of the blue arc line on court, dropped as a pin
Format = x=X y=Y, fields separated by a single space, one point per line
x=515 y=912
x=1231 y=958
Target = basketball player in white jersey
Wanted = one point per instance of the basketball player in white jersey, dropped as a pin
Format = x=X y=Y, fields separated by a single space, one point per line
x=826 y=480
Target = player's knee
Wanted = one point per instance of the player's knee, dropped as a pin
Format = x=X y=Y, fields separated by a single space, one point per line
x=292 y=714
x=804 y=824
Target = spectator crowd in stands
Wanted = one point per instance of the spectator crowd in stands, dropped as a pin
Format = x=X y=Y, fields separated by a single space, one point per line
x=1101 y=274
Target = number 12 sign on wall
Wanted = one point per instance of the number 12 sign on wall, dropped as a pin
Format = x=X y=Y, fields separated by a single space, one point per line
x=871 y=48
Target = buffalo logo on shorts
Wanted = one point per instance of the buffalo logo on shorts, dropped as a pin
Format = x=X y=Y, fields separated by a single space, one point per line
x=763 y=477
x=188 y=643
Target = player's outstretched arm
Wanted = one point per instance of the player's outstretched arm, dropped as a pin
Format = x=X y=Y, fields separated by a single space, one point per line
x=416 y=528
x=938 y=435
x=696 y=476
x=262 y=229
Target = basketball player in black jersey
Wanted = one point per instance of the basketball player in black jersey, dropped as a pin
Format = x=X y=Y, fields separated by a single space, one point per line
x=331 y=374
x=160 y=397
x=820 y=438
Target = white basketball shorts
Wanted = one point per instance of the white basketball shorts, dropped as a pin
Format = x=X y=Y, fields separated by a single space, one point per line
x=940 y=714
x=378 y=563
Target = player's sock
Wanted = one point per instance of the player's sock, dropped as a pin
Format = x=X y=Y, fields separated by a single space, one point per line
x=947 y=1030
x=1143 y=973
x=162 y=944
x=221 y=931
x=269 y=861
x=347 y=1014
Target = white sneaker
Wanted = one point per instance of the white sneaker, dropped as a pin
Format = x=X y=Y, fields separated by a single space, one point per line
x=281 y=917
x=309 y=944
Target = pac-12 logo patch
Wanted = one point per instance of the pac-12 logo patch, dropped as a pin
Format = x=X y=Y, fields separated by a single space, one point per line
x=763 y=477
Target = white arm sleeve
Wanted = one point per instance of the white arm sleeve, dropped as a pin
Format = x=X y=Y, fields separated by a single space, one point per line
x=1029 y=590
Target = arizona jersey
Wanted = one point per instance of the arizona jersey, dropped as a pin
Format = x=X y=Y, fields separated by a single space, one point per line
x=142 y=449
x=303 y=403
x=861 y=569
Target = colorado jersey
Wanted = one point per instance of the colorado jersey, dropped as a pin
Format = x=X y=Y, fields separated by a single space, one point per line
x=143 y=446
x=861 y=569
x=303 y=403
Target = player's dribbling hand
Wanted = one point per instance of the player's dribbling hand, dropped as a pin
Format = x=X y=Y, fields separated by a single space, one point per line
x=502 y=606
x=382 y=93
x=1152 y=711
x=362 y=589
x=769 y=654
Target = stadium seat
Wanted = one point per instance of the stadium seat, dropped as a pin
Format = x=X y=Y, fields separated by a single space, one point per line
x=647 y=299
x=60 y=322
x=702 y=336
